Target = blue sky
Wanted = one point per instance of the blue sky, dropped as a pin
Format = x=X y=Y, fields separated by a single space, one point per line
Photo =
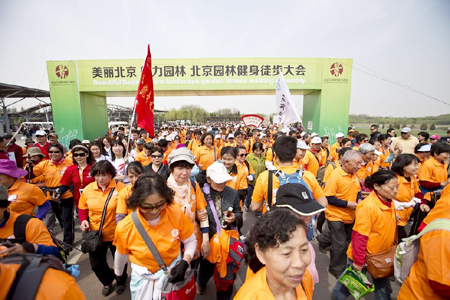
x=404 y=41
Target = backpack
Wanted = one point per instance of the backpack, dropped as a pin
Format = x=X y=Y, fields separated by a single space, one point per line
x=321 y=171
x=408 y=250
x=20 y=226
x=284 y=178
x=29 y=276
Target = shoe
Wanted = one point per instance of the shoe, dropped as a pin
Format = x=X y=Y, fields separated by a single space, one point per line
x=120 y=289
x=323 y=249
x=121 y=284
x=200 y=290
x=107 y=290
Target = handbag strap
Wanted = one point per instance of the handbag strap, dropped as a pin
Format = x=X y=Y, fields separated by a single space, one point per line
x=214 y=212
x=104 y=211
x=148 y=241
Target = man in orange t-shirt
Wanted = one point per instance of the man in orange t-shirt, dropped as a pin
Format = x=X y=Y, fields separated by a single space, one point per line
x=343 y=192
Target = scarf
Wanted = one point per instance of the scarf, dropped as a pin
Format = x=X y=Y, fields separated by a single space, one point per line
x=182 y=196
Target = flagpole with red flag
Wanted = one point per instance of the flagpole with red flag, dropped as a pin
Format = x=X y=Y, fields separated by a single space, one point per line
x=145 y=100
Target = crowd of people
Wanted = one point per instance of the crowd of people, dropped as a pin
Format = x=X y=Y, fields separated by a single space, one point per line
x=187 y=188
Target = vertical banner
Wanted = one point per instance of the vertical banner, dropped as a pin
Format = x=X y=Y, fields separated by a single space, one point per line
x=145 y=98
x=287 y=113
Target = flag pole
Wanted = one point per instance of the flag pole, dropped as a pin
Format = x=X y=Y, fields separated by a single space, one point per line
x=131 y=124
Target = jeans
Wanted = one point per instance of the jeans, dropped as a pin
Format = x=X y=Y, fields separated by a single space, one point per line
x=248 y=199
x=340 y=236
x=383 y=289
x=63 y=211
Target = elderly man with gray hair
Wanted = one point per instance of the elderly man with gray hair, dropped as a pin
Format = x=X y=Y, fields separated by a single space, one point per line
x=368 y=166
x=343 y=194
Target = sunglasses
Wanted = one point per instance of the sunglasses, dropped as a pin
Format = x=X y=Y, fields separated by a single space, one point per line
x=53 y=152
x=242 y=154
x=79 y=154
x=152 y=207
x=157 y=156
x=40 y=135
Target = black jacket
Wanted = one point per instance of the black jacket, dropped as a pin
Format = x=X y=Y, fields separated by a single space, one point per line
x=163 y=170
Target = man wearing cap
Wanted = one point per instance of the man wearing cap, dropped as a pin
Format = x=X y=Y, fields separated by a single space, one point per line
x=319 y=153
x=33 y=157
x=422 y=152
x=231 y=142
x=406 y=143
x=42 y=142
x=434 y=138
x=223 y=204
x=336 y=146
x=37 y=239
x=139 y=145
x=24 y=197
x=311 y=161
x=284 y=151
x=342 y=191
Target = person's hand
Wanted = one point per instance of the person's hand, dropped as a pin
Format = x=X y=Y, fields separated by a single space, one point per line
x=357 y=268
x=230 y=217
x=206 y=249
x=178 y=272
x=55 y=197
x=84 y=226
x=202 y=215
x=424 y=208
x=352 y=205
x=364 y=194
x=16 y=249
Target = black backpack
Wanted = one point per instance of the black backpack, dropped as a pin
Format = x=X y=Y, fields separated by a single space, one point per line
x=20 y=237
x=29 y=276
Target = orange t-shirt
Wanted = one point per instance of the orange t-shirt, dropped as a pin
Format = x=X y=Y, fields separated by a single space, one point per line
x=194 y=144
x=344 y=187
x=205 y=157
x=260 y=192
x=442 y=207
x=93 y=199
x=376 y=221
x=269 y=157
x=406 y=191
x=52 y=174
x=172 y=227
x=432 y=264
x=55 y=284
x=124 y=194
x=310 y=162
x=143 y=159
x=36 y=232
x=27 y=197
x=328 y=170
x=366 y=170
x=433 y=171
x=257 y=288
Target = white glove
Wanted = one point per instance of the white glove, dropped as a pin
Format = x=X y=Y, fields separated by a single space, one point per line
x=250 y=177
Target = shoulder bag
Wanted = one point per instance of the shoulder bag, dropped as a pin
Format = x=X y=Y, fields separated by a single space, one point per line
x=381 y=265
x=183 y=290
x=92 y=240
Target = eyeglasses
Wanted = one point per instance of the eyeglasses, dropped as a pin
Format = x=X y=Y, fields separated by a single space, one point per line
x=152 y=207
x=157 y=156
x=242 y=154
x=78 y=154
x=53 y=152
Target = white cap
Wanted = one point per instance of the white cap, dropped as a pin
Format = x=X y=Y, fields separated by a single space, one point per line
x=165 y=133
x=303 y=134
x=218 y=173
x=314 y=134
x=169 y=138
x=425 y=148
x=231 y=135
x=316 y=140
x=406 y=129
x=285 y=130
x=302 y=145
x=339 y=135
x=263 y=134
x=217 y=136
x=41 y=132
x=378 y=152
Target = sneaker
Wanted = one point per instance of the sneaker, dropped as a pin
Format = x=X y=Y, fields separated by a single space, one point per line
x=121 y=284
x=200 y=289
x=107 y=290
x=120 y=289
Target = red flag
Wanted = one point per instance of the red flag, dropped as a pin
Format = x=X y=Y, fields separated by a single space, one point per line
x=145 y=98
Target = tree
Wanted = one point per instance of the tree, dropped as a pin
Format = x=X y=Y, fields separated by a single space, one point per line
x=433 y=126
x=423 y=126
x=404 y=125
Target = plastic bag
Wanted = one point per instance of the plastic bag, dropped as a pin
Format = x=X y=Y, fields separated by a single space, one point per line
x=356 y=282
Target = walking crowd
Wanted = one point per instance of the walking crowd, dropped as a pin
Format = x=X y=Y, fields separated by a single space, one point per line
x=171 y=207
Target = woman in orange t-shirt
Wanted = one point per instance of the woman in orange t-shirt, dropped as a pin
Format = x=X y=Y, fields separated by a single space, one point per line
x=278 y=253
x=91 y=205
x=374 y=230
x=207 y=154
x=409 y=194
x=191 y=200
x=134 y=171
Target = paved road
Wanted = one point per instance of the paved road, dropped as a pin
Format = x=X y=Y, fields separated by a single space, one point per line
x=90 y=285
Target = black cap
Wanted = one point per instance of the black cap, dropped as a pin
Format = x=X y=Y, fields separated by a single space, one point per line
x=297 y=197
